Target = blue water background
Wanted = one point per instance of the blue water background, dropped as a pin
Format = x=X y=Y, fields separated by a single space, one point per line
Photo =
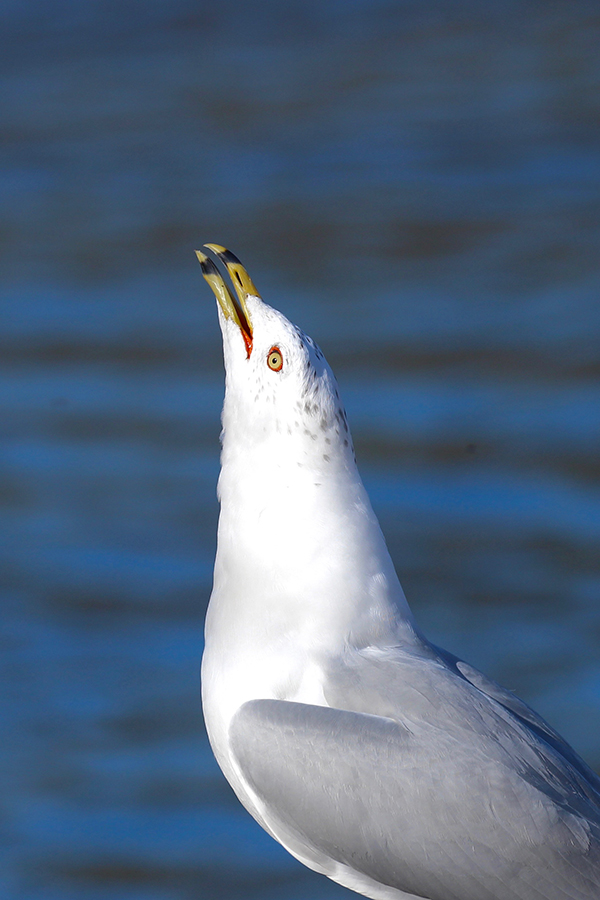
x=417 y=185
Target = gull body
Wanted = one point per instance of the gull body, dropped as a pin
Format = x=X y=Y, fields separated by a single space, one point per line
x=381 y=761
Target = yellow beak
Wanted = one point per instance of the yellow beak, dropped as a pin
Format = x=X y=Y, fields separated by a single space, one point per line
x=231 y=307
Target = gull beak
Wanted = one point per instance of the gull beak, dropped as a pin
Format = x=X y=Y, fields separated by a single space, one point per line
x=231 y=307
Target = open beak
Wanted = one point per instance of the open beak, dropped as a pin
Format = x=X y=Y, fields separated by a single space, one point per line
x=232 y=307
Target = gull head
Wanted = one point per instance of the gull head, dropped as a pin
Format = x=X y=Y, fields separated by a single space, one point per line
x=282 y=402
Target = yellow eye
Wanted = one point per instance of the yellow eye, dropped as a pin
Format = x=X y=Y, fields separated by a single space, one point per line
x=275 y=359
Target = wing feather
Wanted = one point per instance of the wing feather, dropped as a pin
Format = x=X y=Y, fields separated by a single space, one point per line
x=455 y=799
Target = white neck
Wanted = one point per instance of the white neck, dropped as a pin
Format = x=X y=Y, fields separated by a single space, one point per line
x=302 y=570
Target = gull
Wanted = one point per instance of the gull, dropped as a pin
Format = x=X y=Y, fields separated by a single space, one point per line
x=386 y=763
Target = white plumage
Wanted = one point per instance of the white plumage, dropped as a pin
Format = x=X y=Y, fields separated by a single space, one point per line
x=373 y=757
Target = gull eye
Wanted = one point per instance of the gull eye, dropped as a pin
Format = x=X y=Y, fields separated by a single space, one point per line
x=275 y=359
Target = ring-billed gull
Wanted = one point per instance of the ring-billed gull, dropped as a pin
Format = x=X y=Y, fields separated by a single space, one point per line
x=384 y=762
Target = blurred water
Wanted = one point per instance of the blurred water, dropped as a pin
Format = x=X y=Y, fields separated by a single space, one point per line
x=417 y=185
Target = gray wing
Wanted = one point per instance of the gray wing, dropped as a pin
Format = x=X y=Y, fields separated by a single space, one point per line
x=454 y=800
x=522 y=711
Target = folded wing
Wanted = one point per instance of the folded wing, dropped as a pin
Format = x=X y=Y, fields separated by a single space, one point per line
x=455 y=801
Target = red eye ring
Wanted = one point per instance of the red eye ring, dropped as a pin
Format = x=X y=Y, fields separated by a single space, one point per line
x=275 y=359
